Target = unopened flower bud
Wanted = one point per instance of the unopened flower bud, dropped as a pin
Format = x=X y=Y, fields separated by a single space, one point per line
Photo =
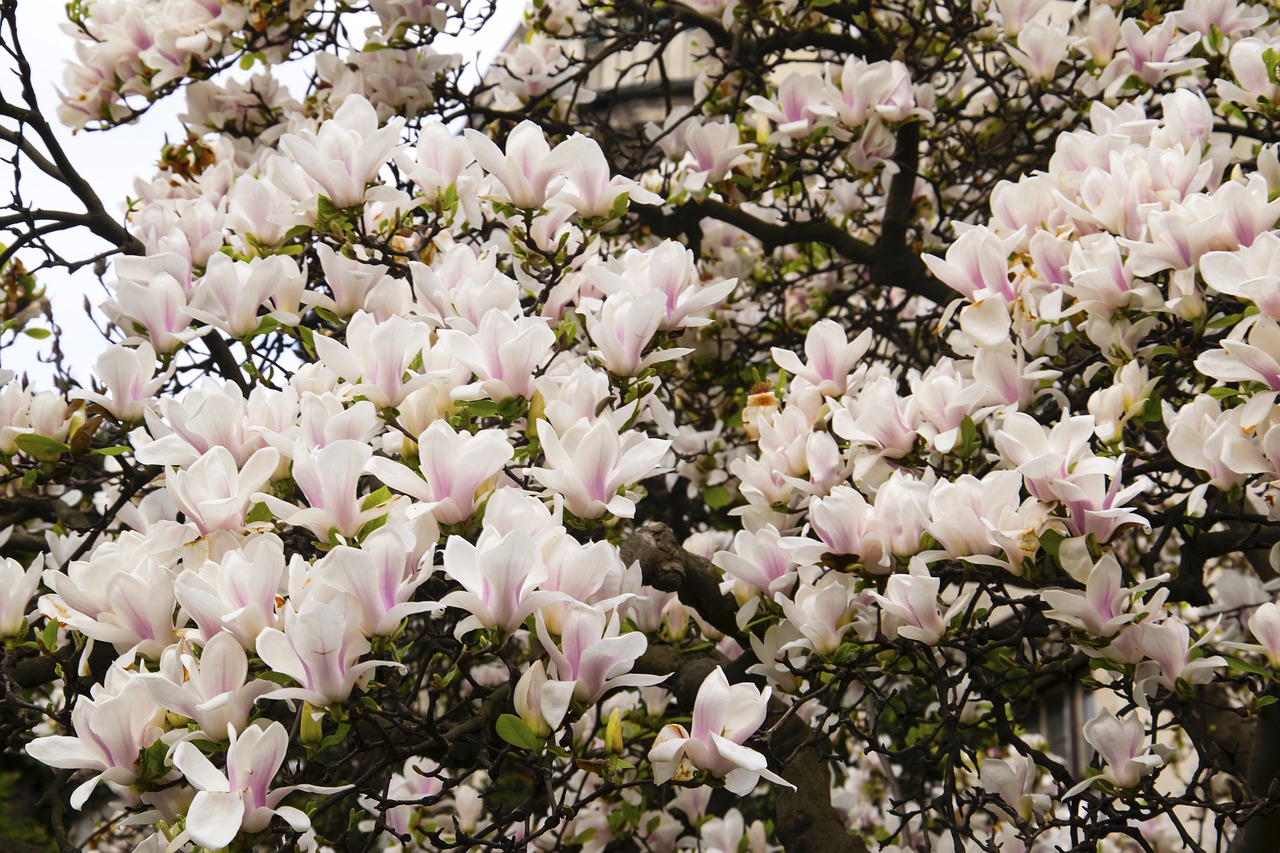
x=613 y=733
x=311 y=731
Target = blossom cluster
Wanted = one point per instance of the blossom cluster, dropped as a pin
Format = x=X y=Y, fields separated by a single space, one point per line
x=388 y=406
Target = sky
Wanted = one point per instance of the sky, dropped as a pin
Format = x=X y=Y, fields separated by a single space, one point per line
x=112 y=160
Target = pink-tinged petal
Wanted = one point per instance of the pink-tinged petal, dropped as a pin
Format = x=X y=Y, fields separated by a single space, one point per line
x=276 y=652
x=711 y=707
x=556 y=696
x=199 y=770
x=214 y=818
x=564 y=668
x=296 y=818
x=399 y=477
x=223 y=665
x=81 y=794
x=65 y=752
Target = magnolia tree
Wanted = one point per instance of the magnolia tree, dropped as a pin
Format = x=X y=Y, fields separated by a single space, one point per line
x=478 y=466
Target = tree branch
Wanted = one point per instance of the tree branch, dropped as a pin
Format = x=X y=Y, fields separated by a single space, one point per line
x=670 y=568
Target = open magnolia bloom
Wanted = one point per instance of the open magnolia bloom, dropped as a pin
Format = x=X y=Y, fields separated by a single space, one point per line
x=724 y=716
x=240 y=799
x=1120 y=743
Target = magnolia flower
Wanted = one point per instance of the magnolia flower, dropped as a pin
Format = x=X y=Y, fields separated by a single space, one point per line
x=874 y=90
x=377 y=356
x=318 y=649
x=1254 y=78
x=821 y=613
x=459 y=469
x=237 y=595
x=542 y=702
x=1264 y=624
x=159 y=306
x=669 y=269
x=504 y=354
x=329 y=479
x=129 y=606
x=724 y=717
x=500 y=576
x=592 y=655
x=1120 y=744
x=347 y=152
x=230 y=292
x=210 y=689
x=799 y=106
x=848 y=525
x=590 y=463
x=376 y=576
x=623 y=330
x=529 y=166
x=758 y=559
x=1014 y=781
x=1101 y=610
x=977 y=264
x=130 y=379
x=240 y=799
x=912 y=601
x=831 y=357
x=714 y=149
x=17 y=586
x=594 y=192
x=439 y=160
x=112 y=725
x=214 y=493
x=1166 y=644
x=1258 y=360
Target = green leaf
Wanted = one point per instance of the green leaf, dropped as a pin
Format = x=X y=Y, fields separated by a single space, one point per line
x=1237 y=665
x=41 y=447
x=114 y=450
x=49 y=636
x=968 y=442
x=717 y=497
x=480 y=408
x=1271 y=59
x=151 y=762
x=259 y=513
x=1050 y=541
x=37 y=333
x=620 y=206
x=381 y=496
x=516 y=732
x=308 y=340
x=268 y=325
x=1225 y=321
x=334 y=738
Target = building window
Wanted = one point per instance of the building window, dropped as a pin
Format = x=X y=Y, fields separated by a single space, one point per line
x=1059 y=715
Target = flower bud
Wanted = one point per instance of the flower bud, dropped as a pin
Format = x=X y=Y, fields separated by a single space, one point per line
x=613 y=734
x=311 y=730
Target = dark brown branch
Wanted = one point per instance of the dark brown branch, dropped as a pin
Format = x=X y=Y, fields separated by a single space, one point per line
x=890 y=265
x=670 y=568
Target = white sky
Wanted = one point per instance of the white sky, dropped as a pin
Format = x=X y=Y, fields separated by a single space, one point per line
x=113 y=159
